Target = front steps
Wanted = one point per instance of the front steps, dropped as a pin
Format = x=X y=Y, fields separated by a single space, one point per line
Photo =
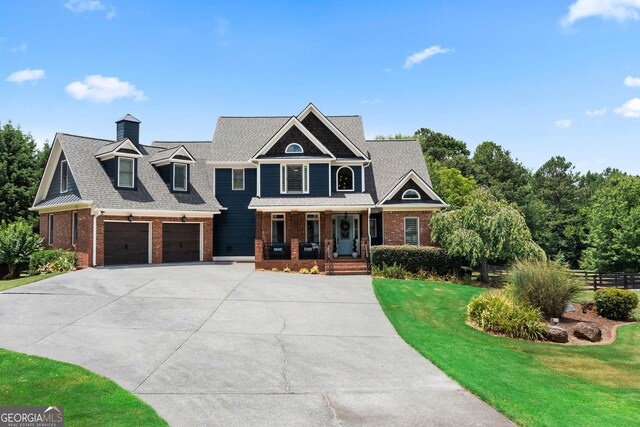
x=347 y=266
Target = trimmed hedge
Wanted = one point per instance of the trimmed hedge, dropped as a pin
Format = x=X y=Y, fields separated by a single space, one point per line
x=52 y=260
x=616 y=304
x=414 y=259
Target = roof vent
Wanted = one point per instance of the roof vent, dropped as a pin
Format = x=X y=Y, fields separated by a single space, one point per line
x=128 y=127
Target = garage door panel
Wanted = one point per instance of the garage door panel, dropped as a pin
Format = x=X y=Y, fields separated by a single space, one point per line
x=126 y=243
x=180 y=242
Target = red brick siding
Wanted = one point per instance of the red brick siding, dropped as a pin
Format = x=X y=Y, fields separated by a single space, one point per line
x=393 y=226
x=62 y=233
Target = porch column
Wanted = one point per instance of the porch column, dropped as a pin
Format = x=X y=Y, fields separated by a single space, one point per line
x=295 y=246
x=258 y=248
x=259 y=225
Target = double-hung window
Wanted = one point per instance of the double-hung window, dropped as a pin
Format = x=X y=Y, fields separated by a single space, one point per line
x=277 y=228
x=74 y=227
x=313 y=228
x=50 y=229
x=373 y=227
x=294 y=178
x=64 y=176
x=237 y=179
x=126 y=175
x=180 y=176
x=411 y=231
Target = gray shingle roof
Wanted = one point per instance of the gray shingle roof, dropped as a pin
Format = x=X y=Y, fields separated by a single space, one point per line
x=108 y=148
x=128 y=118
x=391 y=160
x=152 y=192
x=198 y=149
x=343 y=199
x=165 y=154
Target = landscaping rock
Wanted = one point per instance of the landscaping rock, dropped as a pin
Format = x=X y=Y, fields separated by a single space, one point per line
x=588 y=306
x=587 y=331
x=557 y=334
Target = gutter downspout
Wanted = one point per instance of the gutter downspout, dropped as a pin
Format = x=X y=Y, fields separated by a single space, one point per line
x=95 y=223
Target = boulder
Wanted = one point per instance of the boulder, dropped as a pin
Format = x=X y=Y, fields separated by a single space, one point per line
x=587 y=331
x=557 y=334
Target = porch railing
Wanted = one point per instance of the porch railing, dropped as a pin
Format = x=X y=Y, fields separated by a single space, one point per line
x=310 y=251
x=274 y=251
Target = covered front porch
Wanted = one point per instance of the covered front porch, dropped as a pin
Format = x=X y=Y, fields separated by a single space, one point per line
x=304 y=238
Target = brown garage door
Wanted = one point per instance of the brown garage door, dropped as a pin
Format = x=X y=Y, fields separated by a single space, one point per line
x=126 y=243
x=180 y=242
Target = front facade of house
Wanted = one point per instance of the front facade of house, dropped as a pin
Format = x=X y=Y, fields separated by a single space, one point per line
x=291 y=192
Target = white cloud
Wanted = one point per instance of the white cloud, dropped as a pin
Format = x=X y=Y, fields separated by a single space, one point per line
x=620 y=10
x=630 y=109
x=370 y=101
x=22 y=48
x=564 y=123
x=632 y=81
x=594 y=113
x=79 y=6
x=99 y=88
x=418 y=57
x=26 y=76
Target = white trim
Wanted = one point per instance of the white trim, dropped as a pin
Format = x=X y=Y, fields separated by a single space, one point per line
x=94 y=243
x=67 y=183
x=50 y=230
x=312 y=108
x=404 y=230
x=306 y=218
x=156 y=213
x=63 y=206
x=329 y=181
x=413 y=207
x=113 y=153
x=294 y=144
x=200 y=232
x=49 y=171
x=74 y=228
x=284 y=183
x=284 y=228
x=288 y=125
x=233 y=258
x=314 y=208
x=258 y=184
x=182 y=150
x=133 y=172
x=362 y=177
x=233 y=180
x=375 y=221
x=231 y=164
x=419 y=181
x=294 y=160
x=213 y=181
x=186 y=177
x=404 y=195
x=353 y=178
x=149 y=230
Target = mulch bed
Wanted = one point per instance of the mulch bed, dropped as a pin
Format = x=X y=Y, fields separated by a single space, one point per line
x=590 y=315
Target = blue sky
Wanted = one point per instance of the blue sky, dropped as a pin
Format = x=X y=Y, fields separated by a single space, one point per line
x=522 y=74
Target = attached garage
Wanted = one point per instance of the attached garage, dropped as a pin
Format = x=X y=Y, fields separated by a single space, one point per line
x=181 y=242
x=126 y=243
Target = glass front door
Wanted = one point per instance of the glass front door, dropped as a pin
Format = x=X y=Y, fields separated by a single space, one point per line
x=345 y=235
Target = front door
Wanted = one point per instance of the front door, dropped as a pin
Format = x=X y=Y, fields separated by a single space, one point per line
x=345 y=235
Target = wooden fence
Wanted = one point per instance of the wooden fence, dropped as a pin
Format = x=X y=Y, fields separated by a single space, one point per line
x=591 y=279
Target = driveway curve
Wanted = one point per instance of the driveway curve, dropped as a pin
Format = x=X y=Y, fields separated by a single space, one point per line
x=221 y=344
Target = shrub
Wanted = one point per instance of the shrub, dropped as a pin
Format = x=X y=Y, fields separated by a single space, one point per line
x=315 y=270
x=499 y=313
x=394 y=271
x=50 y=260
x=304 y=270
x=17 y=243
x=415 y=258
x=546 y=285
x=287 y=270
x=274 y=269
x=616 y=304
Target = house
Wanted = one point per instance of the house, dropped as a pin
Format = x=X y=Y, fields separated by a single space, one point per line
x=280 y=191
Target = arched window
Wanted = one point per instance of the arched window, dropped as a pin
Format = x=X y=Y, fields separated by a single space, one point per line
x=294 y=149
x=411 y=195
x=344 y=177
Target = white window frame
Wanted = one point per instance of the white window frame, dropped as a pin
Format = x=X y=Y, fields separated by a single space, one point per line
x=294 y=144
x=233 y=171
x=306 y=219
x=373 y=221
x=411 y=190
x=50 y=229
x=74 y=228
x=353 y=179
x=404 y=231
x=63 y=181
x=133 y=172
x=186 y=176
x=284 y=227
x=284 y=178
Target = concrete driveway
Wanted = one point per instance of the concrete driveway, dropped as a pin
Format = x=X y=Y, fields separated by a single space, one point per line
x=224 y=345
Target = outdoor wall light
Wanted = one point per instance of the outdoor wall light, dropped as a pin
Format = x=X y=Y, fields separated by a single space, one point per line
x=184 y=218
x=130 y=218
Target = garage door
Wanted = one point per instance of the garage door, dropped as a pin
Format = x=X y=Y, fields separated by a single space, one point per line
x=180 y=242
x=126 y=243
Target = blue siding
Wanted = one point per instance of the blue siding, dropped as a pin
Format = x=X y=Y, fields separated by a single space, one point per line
x=111 y=168
x=54 y=188
x=318 y=181
x=234 y=230
x=166 y=173
x=357 y=177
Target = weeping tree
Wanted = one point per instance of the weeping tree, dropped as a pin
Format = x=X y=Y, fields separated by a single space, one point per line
x=485 y=229
x=17 y=243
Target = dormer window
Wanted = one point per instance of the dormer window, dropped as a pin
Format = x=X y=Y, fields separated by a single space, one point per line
x=294 y=149
x=180 y=177
x=64 y=176
x=126 y=172
x=411 y=195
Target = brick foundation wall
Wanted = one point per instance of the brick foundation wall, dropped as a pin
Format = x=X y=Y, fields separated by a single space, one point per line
x=393 y=226
x=62 y=234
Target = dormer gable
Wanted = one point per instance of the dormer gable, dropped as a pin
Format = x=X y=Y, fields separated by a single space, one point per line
x=120 y=161
x=178 y=154
x=174 y=166
x=293 y=140
x=412 y=189
x=124 y=148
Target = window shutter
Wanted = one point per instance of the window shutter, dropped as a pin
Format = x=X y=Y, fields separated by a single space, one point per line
x=283 y=179
x=305 y=178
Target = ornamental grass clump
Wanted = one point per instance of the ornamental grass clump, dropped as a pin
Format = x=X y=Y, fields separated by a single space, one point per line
x=543 y=284
x=497 y=312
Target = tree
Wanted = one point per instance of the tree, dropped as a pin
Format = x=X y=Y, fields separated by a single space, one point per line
x=448 y=151
x=451 y=185
x=485 y=229
x=613 y=223
x=20 y=171
x=17 y=243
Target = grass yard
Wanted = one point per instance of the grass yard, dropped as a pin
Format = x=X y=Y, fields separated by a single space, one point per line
x=88 y=398
x=8 y=284
x=534 y=384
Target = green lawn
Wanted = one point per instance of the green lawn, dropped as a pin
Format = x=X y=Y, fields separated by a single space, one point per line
x=534 y=384
x=88 y=399
x=8 y=284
